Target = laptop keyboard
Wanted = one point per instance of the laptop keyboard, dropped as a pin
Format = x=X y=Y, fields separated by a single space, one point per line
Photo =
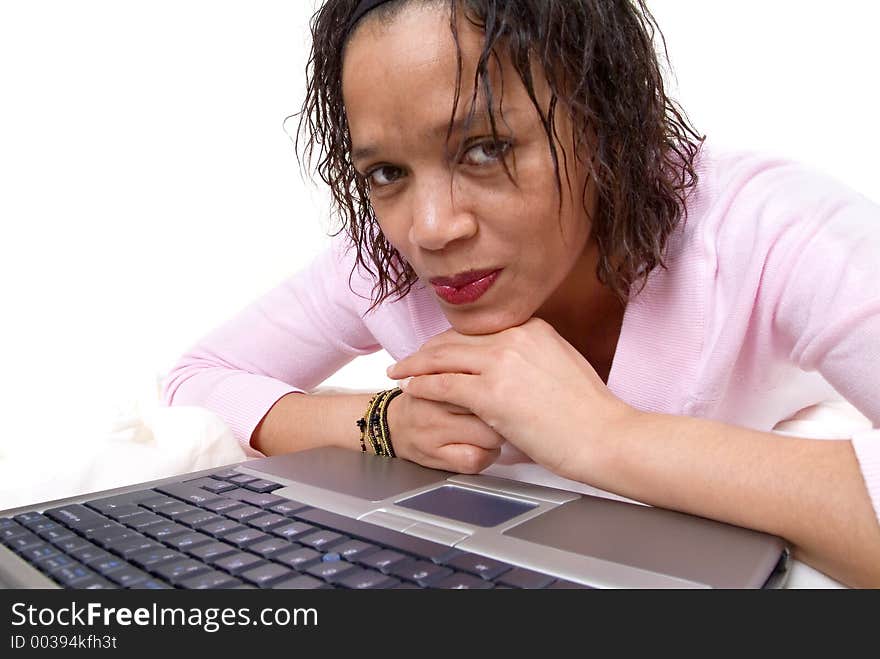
x=228 y=530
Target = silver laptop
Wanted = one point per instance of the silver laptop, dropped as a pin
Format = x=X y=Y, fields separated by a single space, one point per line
x=330 y=517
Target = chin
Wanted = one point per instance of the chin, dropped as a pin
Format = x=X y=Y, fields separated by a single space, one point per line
x=482 y=321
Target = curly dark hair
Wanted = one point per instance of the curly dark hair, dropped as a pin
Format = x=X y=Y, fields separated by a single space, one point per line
x=601 y=65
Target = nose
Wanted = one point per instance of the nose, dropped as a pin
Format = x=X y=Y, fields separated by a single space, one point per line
x=438 y=216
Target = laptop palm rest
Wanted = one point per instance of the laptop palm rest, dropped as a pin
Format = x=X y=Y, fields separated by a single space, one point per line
x=656 y=539
x=350 y=472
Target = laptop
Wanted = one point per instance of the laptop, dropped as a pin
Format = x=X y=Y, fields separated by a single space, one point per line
x=333 y=518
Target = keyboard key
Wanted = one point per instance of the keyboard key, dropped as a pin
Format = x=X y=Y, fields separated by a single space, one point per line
x=107 y=564
x=211 y=551
x=383 y=560
x=226 y=474
x=243 y=513
x=462 y=581
x=265 y=574
x=241 y=479
x=143 y=519
x=40 y=551
x=11 y=530
x=520 y=577
x=198 y=518
x=56 y=562
x=175 y=510
x=110 y=530
x=117 y=539
x=150 y=584
x=322 y=539
x=29 y=519
x=71 y=574
x=238 y=562
x=26 y=540
x=287 y=507
x=299 y=558
x=330 y=570
x=124 y=512
x=267 y=522
x=424 y=573
x=354 y=549
x=129 y=546
x=37 y=522
x=158 y=501
x=212 y=485
x=221 y=527
x=487 y=568
x=301 y=582
x=187 y=493
x=107 y=504
x=57 y=533
x=185 y=541
x=90 y=554
x=210 y=580
x=361 y=579
x=262 y=485
x=244 y=537
x=179 y=571
x=70 y=545
x=127 y=576
x=154 y=557
x=222 y=505
x=267 y=548
x=293 y=530
x=93 y=582
x=164 y=530
x=76 y=516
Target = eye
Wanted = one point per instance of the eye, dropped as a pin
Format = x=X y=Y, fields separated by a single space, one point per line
x=486 y=153
x=383 y=175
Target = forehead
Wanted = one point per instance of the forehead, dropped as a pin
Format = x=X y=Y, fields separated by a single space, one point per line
x=403 y=72
x=413 y=53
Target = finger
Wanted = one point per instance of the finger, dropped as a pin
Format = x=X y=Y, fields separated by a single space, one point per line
x=467 y=458
x=451 y=337
x=459 y=389
x=452 y=358
x=471 y=430
x=453 y=409
x=444 y=407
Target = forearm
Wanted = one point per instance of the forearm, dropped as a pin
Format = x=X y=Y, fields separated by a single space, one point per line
x=808 y=491
x=300 y=421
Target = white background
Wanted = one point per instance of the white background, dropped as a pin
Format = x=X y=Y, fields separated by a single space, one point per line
x=148 y=189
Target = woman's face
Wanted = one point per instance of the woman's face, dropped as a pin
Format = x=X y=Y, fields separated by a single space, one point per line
x=493 y=251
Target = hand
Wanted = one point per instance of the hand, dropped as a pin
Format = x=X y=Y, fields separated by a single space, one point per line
x=526 y=383
x=440 y=435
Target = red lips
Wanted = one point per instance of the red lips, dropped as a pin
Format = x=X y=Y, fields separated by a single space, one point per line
x=461 y=279
x=464 y=287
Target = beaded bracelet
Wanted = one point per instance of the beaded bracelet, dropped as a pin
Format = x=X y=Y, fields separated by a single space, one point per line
x=374 y=424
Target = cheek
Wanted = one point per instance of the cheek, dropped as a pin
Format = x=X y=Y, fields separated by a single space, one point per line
x=393 y=226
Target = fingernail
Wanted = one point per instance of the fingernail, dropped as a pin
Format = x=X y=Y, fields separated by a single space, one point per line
x=403 y=384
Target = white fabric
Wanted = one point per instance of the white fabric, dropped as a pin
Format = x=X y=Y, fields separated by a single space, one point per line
x=150 y=441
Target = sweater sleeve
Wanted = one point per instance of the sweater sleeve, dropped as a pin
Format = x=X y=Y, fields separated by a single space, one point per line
x=823 y=273
x=289 y=340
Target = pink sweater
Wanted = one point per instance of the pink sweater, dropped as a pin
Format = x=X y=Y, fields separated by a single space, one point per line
x=770 y=303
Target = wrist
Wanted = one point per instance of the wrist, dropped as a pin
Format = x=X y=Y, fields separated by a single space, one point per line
x=604 y=446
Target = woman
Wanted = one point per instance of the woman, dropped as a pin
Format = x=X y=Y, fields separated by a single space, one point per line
x=566 y=275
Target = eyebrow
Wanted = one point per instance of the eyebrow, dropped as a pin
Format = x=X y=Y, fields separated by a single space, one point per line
x=480 y=117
